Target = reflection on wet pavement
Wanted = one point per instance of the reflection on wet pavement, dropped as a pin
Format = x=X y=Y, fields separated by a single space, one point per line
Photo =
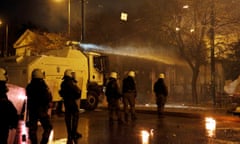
x=210 y=125
x=148 y=129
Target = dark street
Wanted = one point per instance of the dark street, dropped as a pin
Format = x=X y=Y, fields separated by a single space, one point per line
x=148 y=129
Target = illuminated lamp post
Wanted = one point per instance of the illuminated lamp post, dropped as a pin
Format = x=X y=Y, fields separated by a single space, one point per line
x=69 y=15
x=69 y=18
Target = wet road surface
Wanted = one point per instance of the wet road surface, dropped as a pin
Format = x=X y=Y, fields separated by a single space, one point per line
x=148 y=129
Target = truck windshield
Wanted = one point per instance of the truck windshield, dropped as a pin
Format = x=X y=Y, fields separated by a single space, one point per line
x=100 y=63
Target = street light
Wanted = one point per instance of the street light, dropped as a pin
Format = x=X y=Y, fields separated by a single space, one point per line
x=69 y=18
x=69 y=15
x=185 y=6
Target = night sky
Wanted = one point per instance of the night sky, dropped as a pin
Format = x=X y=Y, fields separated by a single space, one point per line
x=102 y=17
x=38 y=12
x=54 y=15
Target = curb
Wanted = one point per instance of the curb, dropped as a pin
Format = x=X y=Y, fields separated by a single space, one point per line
x=193 y=112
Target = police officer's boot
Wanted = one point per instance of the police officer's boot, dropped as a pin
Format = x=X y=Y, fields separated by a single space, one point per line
x=46 y=135
x=33 y=136
x=160 y=112
x=120 y=120
x=75 y=134
x=111 y=116
x=59 y=107
x=133 y=117
x=33 y=140
x=69 y=141
x=69 y=128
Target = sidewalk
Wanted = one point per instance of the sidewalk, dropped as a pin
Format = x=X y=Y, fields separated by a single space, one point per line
x=187 y=111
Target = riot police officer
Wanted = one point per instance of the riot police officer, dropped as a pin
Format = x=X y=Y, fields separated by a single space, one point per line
x=113 y=98
x=70 y=93
x=9 y=116
x=39 y=99
x=161 y=92
x=129 y=95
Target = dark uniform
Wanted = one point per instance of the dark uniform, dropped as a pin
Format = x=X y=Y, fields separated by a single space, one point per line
x=129 y=94
x=9 y=117
x=161 y=92
x=70 y=93
x=113 y=99
x=38 y=102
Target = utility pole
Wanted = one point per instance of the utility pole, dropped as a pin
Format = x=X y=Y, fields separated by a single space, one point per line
x=6 y=40
x=212 y=43
x=83 y=23
x=69 y=18
x=5 y=43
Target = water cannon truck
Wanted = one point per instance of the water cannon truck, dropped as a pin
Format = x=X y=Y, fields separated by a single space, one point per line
x=89 y=68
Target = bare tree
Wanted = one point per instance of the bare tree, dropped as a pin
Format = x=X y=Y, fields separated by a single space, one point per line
x=189 y=30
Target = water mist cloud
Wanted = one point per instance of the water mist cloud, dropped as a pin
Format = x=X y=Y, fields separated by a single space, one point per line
x=163 y=55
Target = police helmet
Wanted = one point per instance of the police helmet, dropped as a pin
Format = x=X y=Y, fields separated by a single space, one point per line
x=68 y=72
x=113 y=75
x=161 y=75
x=131 y=74
x=38 y=73
x=3 y=74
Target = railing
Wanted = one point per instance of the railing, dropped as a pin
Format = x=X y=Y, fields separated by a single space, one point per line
x=224 y=100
